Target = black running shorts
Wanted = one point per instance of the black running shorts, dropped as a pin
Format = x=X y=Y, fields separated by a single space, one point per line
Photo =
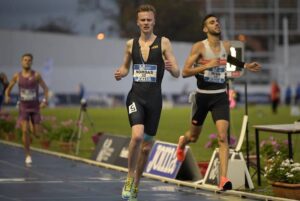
x=144 y=111
x=217 y=104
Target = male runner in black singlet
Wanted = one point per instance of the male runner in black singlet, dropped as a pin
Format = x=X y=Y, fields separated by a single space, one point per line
x=151 y=56
x=207 y=61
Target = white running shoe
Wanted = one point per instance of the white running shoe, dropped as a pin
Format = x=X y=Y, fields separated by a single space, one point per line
x=28 y=160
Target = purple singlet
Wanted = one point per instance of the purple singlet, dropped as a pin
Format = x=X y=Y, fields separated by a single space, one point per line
x=28 y=93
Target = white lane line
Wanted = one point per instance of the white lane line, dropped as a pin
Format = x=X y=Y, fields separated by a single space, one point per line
x=25 y=180
x=12 y=179
x=31 y=180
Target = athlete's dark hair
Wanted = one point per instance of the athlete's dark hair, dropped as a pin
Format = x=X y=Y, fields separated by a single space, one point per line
x=145 y=8
x=27 y=55
x=205 y=18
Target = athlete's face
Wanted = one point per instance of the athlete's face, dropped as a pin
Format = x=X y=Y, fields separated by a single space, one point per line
x=212 y=26
x=146 y=21
x=26 y=62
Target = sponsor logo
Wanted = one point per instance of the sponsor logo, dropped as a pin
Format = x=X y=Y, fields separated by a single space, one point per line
x=214 y=172
x=164 y=160
x=194 y=122
x=154 y=47
x=106 y=151
x=124 y=152
x=132 y=108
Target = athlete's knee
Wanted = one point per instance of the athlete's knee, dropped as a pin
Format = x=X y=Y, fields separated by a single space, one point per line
x=222 y=139
x=137 y=138
x=25 y=130
x=191 y=137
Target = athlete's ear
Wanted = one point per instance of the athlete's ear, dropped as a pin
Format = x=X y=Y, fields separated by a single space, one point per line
x=204 y=29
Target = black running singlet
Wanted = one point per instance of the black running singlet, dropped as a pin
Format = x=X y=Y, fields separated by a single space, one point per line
x=147 y=75
x=144 y=101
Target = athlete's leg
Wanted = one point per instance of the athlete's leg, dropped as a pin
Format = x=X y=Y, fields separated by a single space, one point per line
x=222 y=128
x=133 y=154
x=199 y=113
x=134 y=147
x=191 y=135
x=25 y=136
x=35 y=124
x=141 y=163
x=142 y=160
x=220 y=115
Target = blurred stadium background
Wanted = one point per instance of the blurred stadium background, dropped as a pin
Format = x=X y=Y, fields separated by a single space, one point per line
x=70 y=43
x=82 y=42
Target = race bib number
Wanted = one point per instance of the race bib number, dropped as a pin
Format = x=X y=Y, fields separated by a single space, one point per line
x=144 y=73
x=28 y=94
x=215 y=75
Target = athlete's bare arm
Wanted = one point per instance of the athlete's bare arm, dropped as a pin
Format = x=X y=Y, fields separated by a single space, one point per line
x=44 y=87
x=253 y=66
x=11 y=84
x=170 y=60
x=123 y=70
x=195 y=58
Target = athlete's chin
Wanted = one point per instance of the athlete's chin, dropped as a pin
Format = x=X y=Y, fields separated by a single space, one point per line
x=26 y=67
x=216 y=33
x=147 y=31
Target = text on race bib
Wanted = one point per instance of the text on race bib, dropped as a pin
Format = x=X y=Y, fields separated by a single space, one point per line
x=215 y=75
x=144 y=73
x=28 y=94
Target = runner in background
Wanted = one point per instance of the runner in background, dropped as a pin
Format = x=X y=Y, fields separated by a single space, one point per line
x=29 y=107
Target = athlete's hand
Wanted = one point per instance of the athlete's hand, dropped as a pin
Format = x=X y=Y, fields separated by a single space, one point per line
x=168 y=65
x=254 y=66
x=118 y=75
x=43 y=105
x=213 y=63
x=7 y=99
x=172 y=68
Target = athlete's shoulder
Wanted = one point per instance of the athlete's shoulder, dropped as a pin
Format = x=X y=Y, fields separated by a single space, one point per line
x=226 y=43
x=199 y=45
x=36 y=73
x=165 y=39
x=129 y=42
x=16 y=75
x=129 y=45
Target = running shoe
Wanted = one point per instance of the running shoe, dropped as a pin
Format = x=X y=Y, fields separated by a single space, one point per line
x=225 y=184
x=126 y=191
x=28 y=160
x=134 y=192
x=180 y=151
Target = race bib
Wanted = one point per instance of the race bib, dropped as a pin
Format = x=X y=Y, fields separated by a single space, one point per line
x=215 y=75
x=144 y=73
x=28 y=94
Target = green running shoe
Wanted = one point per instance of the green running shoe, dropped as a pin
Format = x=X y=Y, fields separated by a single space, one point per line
x=126 y=191
x=134 y=192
